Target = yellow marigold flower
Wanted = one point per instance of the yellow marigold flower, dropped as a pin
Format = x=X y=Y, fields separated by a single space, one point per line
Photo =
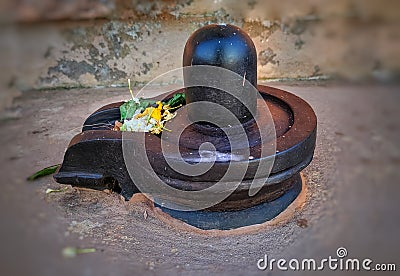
x=168 y=115
x=156 y=114
x=156 y=130
x=144 y=113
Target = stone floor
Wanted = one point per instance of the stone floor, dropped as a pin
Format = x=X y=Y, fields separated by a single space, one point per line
x=352 y=196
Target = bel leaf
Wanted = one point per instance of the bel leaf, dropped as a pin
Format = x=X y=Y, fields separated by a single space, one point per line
x=176 y=100
x=44 y=172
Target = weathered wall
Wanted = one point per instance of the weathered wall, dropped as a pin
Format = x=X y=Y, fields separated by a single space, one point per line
x=49 y=43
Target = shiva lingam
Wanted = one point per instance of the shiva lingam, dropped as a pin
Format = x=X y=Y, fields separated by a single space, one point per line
x=228 y=116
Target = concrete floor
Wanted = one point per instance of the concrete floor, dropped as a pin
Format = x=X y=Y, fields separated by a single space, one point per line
x=352 y=198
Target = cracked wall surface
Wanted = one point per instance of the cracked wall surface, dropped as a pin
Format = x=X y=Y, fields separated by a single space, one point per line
x=49 y=44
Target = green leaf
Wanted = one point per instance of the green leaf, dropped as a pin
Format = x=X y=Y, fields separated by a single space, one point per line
x=44 y=172
x=123 y=110
x=144 y=103
x=176 y=100
x=71 y=252
x=127 y=109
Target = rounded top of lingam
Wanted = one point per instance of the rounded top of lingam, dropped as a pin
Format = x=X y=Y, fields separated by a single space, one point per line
x=223 y=45
x=228 y=47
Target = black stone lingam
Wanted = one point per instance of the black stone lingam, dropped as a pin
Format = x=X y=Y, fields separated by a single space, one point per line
x=94 y=158
x=228 y=47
